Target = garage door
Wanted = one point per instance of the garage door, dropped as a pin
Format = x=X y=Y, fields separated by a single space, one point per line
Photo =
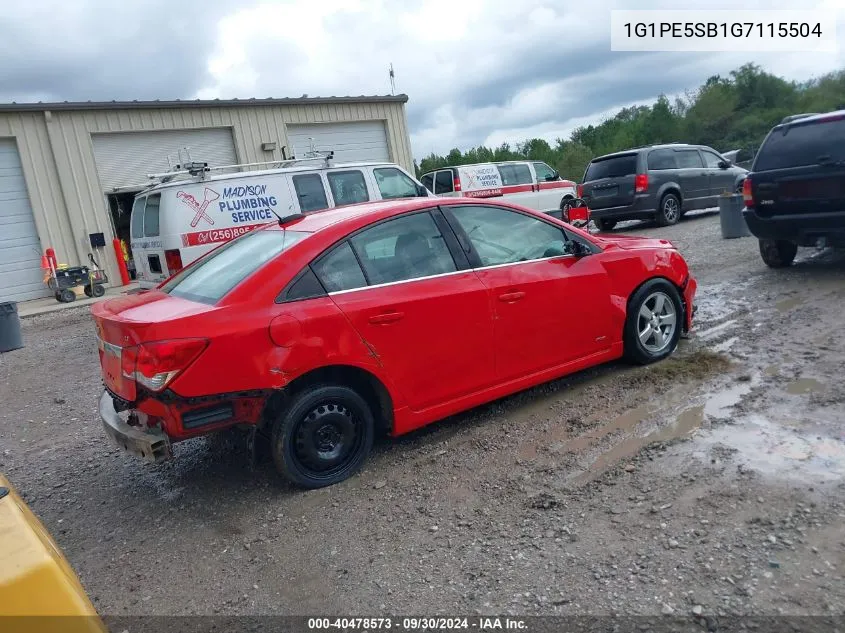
x=363 y=141
x=125 y=158
x=20 y=249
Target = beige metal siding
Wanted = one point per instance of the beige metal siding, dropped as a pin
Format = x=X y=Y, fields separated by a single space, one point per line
x=68 y=198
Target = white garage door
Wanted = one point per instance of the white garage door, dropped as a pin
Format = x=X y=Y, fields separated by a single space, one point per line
x=125 y=158
x=363 y=141
x=20 y=250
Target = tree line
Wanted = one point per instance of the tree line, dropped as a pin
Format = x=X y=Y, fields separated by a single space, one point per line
x=725 y=113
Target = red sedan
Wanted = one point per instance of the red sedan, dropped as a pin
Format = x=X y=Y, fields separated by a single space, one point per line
x=321 y=331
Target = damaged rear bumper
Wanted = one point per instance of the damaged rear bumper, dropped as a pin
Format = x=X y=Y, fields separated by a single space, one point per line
x=152 y=445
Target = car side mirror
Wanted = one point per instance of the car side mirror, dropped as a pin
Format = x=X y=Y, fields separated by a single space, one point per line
x=553 y=177
x=576 y=248
x=422 y=192
x=724 y=164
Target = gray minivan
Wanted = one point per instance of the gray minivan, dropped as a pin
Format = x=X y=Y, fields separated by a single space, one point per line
x=659 y=182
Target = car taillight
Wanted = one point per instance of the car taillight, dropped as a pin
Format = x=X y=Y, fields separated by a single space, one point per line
x=456 y=182
x=640 y=183
x=155 y=365
x=174 y=260
x=747 y=196
x=579 y=191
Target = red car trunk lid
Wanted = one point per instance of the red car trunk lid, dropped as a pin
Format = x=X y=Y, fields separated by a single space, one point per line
x=124 y=322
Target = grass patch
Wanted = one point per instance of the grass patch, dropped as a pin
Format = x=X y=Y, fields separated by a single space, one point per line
x=696 y=365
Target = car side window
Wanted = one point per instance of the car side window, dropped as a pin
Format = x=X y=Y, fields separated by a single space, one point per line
x=688 y=158
x=339 y=270
x=151 y=216
x=711 y=160
x=544 y=172
x=392 y=183
x=305 y=286
x=443 y=182
x=310 y=192
x=428 y=182
x=502 y=236
x=137 y=220
x=407 y=247
x=515 y=175
x=662 y=159
x=348 y=187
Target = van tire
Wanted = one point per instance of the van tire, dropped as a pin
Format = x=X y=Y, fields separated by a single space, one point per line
x=669 y=211
x=318 y=421
x=778 y=253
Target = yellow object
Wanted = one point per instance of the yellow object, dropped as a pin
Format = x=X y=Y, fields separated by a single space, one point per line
x=37 y=584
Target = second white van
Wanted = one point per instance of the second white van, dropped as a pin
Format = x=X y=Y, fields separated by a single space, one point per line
x=532 y=184
x=178 y=220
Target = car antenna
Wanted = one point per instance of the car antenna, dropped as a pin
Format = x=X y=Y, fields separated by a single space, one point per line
x=288 y=218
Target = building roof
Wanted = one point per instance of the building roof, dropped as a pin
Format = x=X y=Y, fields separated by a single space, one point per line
x=196 y=103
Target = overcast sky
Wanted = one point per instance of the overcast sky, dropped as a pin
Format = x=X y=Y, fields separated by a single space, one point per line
x=476 y=71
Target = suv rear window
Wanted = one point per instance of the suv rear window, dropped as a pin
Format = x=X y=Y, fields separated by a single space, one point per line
x=224 y=268
x=613 y=167
x=800 y=145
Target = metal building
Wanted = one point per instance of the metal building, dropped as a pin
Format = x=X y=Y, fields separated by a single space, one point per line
x=68 y=171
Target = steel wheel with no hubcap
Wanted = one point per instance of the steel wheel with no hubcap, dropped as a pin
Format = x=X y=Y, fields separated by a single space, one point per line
x=656 y=322
x=326 y=440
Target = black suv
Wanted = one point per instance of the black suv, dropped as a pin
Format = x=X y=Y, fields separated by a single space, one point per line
x=795 y=192
x=660 y=182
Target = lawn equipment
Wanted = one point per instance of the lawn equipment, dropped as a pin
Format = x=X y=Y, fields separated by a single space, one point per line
x=63 y=279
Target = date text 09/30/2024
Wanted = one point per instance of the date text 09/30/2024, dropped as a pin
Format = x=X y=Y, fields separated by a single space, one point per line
x=477 y=623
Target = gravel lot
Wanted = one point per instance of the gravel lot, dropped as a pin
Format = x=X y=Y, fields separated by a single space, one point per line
x=711 y=483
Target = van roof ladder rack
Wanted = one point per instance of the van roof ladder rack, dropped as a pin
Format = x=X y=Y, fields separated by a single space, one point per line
x=195 y=169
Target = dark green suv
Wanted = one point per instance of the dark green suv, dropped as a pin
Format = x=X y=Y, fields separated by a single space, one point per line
x=659 y=182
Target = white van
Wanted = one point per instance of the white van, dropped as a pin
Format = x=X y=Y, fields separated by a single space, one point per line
x=532 y=184
x=176 y=221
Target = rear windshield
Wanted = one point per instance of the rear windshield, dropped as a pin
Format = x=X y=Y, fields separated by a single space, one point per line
x=223 y=269
x=613 y=167
x=799 y=145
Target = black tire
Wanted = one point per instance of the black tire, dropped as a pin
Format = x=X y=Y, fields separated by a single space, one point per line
x=669 y=211
x=67 y=295
x=778 y=253
x=87 y=290
x=98 y=290
x=321 y=414
x=636 y=350
x=604 y=225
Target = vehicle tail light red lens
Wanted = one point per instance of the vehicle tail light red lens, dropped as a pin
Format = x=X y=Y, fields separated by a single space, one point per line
x=155 y=365
x=456 y=182
x=174 y=260
x=579 y=191
x=747 y=196
x=640 y=183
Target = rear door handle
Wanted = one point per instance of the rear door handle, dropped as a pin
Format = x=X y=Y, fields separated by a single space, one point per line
x=510 y=297
x=389 y=317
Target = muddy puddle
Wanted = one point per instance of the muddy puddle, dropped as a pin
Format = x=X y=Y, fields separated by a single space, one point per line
x=669 y=418
x=778 y=450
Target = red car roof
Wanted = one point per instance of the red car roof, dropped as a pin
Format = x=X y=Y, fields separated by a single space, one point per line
x=356 y=215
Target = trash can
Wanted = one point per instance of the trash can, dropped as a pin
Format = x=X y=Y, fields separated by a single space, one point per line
x=730 y=216
x=10 y=327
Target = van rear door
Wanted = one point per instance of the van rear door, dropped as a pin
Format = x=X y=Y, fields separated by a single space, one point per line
x=609 y=181
x=147 y=245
